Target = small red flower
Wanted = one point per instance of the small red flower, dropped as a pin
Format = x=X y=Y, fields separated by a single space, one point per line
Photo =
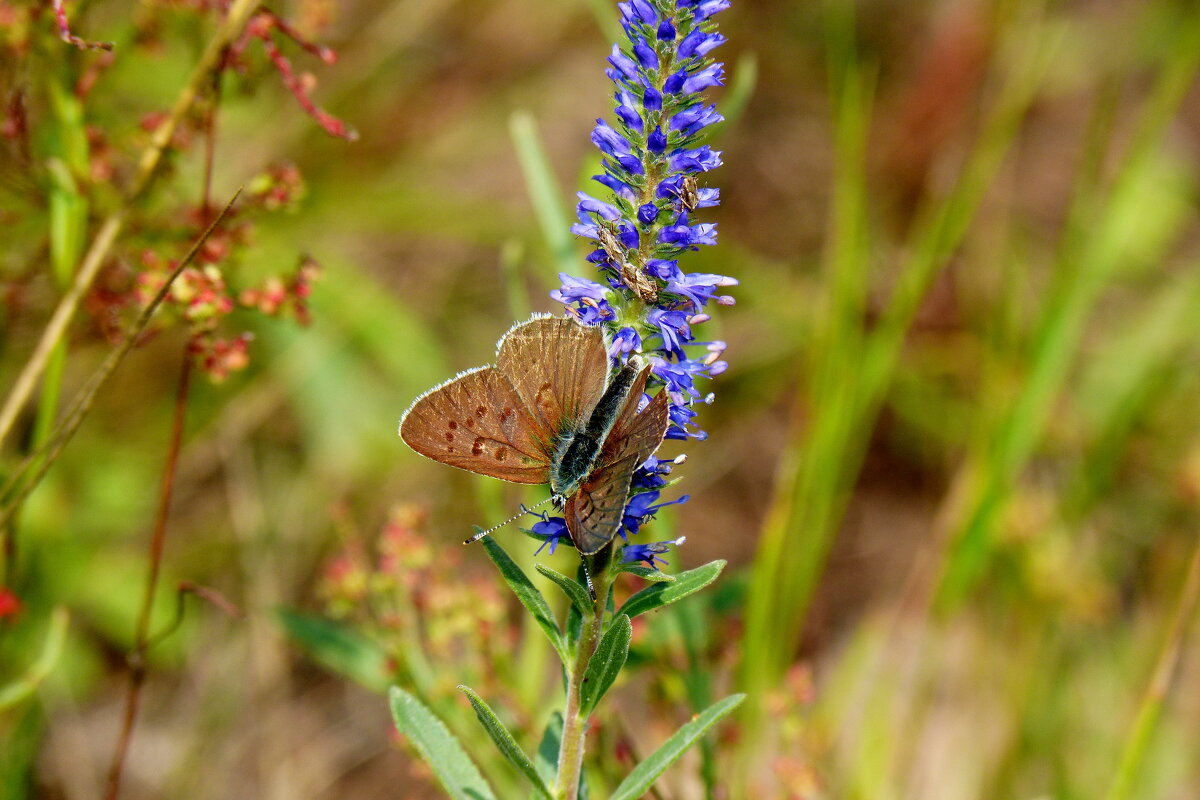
x=10 y=604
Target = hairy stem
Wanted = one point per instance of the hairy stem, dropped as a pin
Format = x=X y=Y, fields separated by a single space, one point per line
x=570 y=754
x=137 y=658
x=211 y=60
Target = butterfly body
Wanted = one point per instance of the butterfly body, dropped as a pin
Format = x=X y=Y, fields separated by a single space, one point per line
x=547 y=413
x=578 y=451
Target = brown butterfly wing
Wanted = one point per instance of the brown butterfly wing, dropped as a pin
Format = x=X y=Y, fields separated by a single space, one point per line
x=559 y=370
x=594 y=513
x=635 y=433
x=478 y=423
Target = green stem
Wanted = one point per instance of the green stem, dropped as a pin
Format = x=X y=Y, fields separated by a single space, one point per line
x=1146 y=723
x=570 y=754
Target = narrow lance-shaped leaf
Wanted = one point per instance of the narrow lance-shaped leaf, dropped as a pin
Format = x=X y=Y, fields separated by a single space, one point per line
x=527 y=593
x=505 y=742
x=454 y=769
x=338 y=648
x=643 y=776
x=575 y=593
x=606 y=662
x=662 y=594
x=647 y=574
x=547 y=754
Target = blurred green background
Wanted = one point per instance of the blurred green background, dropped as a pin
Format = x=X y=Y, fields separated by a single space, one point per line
x=954 y=464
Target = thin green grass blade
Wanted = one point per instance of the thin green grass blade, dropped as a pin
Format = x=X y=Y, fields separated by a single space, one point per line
x=28 y=683
x=643 y=776
x=454 y=769
x=543 y=191
x=818 y=468
x=505 y=742
x=1063 y=323
x=1125 y=781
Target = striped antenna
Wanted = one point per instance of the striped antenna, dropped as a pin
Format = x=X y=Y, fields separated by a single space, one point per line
x=479 y=534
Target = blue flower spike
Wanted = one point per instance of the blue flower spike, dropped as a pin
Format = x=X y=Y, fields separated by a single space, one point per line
x=655 y=166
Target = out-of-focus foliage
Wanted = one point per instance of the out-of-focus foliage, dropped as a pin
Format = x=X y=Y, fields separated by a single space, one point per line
x=955 y=468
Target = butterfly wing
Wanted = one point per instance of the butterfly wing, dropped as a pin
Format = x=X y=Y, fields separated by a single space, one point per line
x=558 y=368
x=478 y=423
x=594 y=513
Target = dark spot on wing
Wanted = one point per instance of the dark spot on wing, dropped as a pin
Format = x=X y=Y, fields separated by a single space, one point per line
x=477 y=448
x=449 y=436
x=501 y=454
x=453 y=425
x=449 y=449
x=505 y=415
x=469 y=422
x=481 y=412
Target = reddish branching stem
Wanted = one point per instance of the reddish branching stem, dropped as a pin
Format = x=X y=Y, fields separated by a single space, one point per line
x=261 y=28
x=64 y=31
x=137 y=658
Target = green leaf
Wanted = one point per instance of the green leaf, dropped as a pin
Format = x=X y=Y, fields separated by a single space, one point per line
x=638 y=781
x=28 y=683
x=454 y=769
x=606 y=662
x=576 y=593
x=647 y=573
x=527 y=593
x=338 y=648
x=547 y=755
x=549 y=203
x=662 y=594
x=505 y=742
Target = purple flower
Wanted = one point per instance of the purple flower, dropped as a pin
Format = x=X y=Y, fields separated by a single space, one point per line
x=649 y=553
x=657 y=141
x=673 y=328
x=694 y=119
x=660 y=116
x=713 y=75
x=552 y=531
x=702 y=159
x=652 y=99
x=624 y=342
x=698 y=287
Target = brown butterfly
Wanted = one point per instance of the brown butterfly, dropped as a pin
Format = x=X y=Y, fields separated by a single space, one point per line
x=547 y=413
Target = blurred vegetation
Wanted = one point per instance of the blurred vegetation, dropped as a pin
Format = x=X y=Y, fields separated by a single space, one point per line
x=954 y=466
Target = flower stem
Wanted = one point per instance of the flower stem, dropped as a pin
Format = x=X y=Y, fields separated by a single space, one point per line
x=97 y=254
x=137 y=658
x=570 y=754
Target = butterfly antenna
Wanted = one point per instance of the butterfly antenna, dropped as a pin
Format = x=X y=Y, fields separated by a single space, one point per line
x=479 y=533
x=587 y=577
